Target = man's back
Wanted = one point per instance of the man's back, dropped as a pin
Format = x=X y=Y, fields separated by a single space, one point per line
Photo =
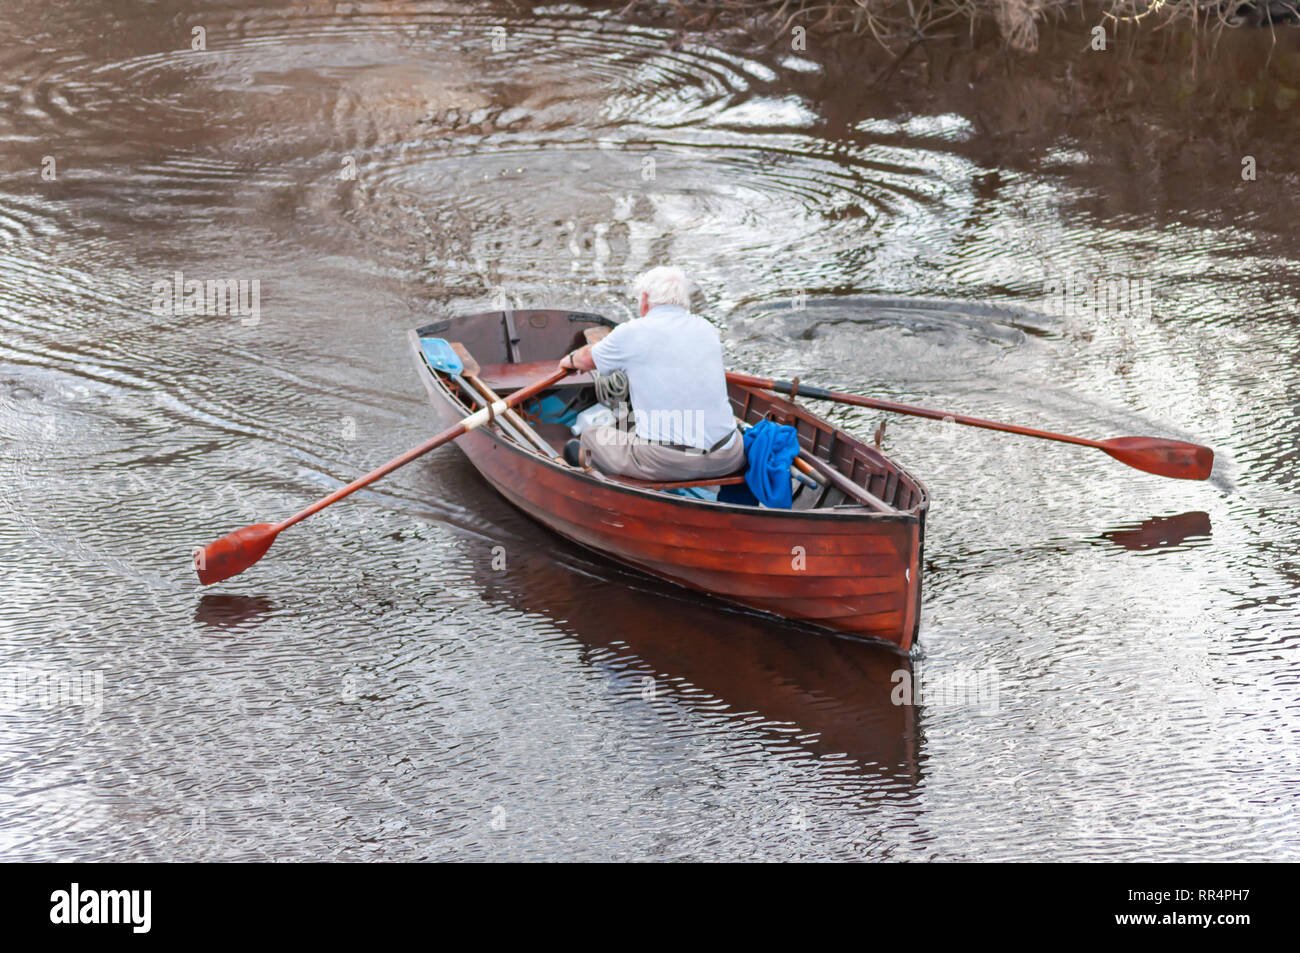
x=685 y=430
x=673 y=362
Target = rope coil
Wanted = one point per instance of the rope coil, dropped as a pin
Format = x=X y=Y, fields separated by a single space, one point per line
x=611 y=389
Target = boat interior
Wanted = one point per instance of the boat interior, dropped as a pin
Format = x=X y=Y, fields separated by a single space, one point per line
x=504 y=351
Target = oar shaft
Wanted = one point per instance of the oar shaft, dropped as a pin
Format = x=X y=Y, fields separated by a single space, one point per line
x=472 y=422
x=821 y=393
x=449 y=434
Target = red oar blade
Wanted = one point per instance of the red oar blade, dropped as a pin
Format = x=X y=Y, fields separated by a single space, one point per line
x=232 y=554
x=1171 y=458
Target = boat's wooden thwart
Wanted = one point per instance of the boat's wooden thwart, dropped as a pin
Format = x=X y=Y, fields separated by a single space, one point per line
x=847 y=557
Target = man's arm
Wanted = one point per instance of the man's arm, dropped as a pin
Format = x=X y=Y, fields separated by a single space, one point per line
x=579 y=360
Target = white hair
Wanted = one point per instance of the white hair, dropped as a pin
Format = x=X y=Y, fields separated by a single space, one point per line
x=666 y=284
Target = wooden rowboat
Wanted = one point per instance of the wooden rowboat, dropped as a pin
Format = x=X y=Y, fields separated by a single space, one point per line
x=846 y=557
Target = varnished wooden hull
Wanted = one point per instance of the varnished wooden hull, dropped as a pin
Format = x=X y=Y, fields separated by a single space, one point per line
x=846 y=570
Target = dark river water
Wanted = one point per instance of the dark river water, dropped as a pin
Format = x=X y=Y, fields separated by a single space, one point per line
x=376 y=689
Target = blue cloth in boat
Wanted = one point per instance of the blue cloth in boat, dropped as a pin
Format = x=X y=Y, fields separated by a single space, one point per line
x=696 y=492
x=770 y=449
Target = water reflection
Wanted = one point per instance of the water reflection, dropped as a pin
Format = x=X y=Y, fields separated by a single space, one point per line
x=828 y=695
x=376 y=167
x=1162 y=532
x=226 y=610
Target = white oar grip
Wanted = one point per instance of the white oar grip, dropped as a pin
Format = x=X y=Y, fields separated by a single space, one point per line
x=484 y=414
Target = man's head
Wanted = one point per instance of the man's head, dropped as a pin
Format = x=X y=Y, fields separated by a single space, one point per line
x=664 y=285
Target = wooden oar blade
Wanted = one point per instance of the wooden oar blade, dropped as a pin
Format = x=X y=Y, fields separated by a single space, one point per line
x=469 y=366
x=1170 y=458
x=233 y=553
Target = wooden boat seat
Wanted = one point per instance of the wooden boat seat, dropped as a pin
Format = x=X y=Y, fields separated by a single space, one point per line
x=503 y=378
x=679 y=484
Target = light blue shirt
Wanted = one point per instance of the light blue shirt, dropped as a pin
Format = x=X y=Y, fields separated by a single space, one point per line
x=673 y=362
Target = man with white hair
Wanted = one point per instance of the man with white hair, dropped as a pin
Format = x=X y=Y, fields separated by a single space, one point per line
x=685 y=428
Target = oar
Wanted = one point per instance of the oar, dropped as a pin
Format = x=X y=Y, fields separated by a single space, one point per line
x=232 y=554
x=1171 y=458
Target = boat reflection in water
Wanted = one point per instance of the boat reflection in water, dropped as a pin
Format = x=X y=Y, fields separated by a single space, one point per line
x=826 y=694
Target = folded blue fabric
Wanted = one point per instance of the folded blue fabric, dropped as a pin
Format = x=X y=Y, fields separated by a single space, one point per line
x=770 y=449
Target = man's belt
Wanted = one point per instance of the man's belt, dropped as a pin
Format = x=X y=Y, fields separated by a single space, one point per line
x=687 y=449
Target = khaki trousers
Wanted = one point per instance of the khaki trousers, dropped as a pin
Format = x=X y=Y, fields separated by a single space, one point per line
x=618 y=451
